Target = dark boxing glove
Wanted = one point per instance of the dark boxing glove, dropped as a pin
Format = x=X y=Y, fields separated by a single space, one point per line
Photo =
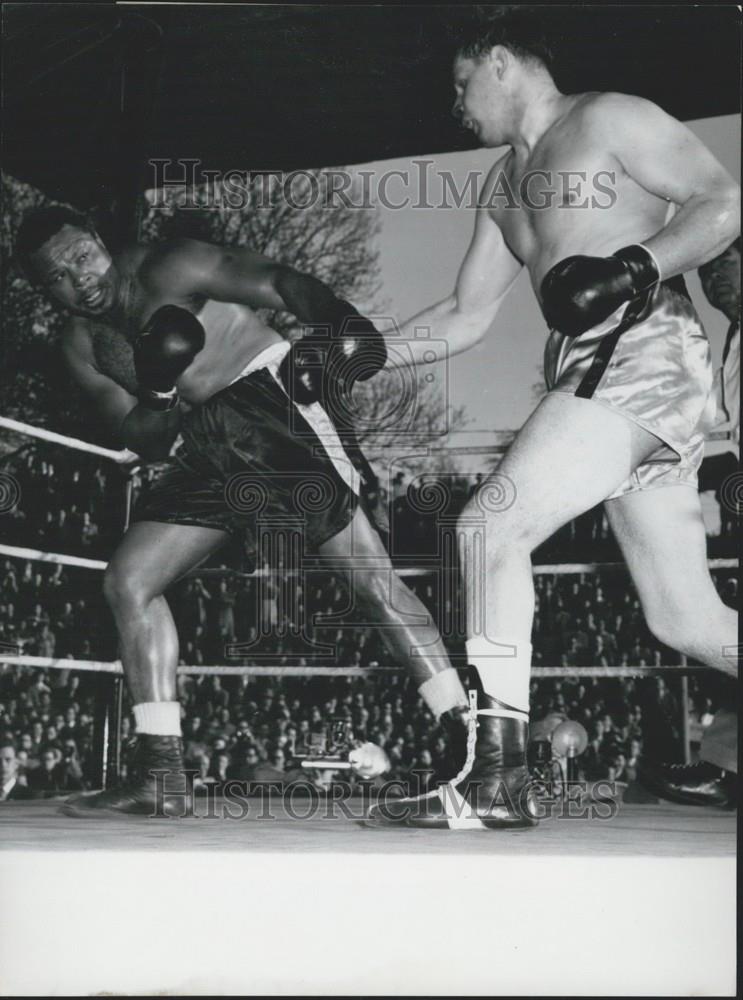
x=580 y=292
x=301 y=371
x=163 y=350
x=330 y=361
x=359 y=352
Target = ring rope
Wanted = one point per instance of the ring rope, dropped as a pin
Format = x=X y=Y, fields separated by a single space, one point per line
x=115 y=667
x=545 y=568
x=51 y=557
x=123 y=457
x=503 y=440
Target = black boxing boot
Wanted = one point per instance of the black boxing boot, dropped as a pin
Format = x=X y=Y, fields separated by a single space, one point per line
x=455 y=725
x=145 y=793
x=493 y=789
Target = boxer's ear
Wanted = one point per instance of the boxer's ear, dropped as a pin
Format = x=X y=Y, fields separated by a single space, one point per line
x=500 y=59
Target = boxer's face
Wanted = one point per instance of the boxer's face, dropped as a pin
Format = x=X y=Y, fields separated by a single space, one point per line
x=481 y=98
x=76 y=271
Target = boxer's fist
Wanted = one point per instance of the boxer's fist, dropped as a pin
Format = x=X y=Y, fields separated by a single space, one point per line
x=327 y=362
x=302 y=370
x=165 y=348
x=369 y=760
x=359 y=350
x=580 y=292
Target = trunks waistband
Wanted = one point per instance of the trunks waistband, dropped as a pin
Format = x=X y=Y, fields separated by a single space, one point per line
x=270 y=356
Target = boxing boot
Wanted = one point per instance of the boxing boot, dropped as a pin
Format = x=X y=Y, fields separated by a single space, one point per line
x=493 y=789
x=144 y=793
x=455 y=726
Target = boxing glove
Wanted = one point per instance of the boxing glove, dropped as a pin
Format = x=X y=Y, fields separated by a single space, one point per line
x=333 y=358
x=580 y=292
x=302 y=369
x=359 y=350
x=163 y=350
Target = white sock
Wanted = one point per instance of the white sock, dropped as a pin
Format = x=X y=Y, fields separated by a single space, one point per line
x=443 y=691
x=504 y=666
x=158 y=718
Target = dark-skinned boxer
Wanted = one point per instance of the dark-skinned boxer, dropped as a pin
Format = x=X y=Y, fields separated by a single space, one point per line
x=165 y=341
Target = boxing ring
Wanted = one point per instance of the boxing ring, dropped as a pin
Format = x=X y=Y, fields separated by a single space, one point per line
x=379 y=910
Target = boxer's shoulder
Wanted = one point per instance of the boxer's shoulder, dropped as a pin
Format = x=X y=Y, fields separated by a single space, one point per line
x=77 y=336
x=78 y=345
x=176 y=263
x=78 y=342
x=608 y=111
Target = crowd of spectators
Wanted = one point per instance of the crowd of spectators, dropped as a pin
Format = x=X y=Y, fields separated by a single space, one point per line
x=71 y=507
x=251 y=727
x=77 y=507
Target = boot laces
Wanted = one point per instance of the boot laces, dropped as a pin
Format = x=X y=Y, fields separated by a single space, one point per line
x=701 y=767
x=469 y=759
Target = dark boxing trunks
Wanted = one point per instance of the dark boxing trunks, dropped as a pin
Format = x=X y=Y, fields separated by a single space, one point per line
x=651 y=363
x=252 y=462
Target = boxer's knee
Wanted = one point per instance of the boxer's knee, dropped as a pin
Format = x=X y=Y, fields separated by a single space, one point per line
x=125 y=590
x=662 y=627
x=491 y=537
x=676 y=624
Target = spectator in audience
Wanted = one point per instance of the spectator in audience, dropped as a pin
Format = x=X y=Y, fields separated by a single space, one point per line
x=57 y=775
x=12 y=786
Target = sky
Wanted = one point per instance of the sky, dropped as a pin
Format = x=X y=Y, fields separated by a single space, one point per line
x=420 y=253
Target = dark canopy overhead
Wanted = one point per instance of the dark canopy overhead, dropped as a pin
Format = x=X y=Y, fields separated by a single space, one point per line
x=92 y=91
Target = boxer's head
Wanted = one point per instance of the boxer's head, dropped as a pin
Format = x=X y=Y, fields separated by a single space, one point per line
x=495 y=59
x=60 y=251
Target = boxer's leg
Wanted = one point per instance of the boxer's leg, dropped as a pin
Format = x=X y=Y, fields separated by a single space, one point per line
x=404 y=623
x=150 y=558
x=662 y=537
x=569 y=456
x=720 y=741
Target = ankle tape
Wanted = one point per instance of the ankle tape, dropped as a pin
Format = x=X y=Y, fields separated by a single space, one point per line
x=504 y=713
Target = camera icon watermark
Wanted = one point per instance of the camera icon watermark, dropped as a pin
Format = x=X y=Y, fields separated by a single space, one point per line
x=10 y=493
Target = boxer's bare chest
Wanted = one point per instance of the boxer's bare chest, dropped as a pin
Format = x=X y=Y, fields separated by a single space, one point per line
x=112 y=338
x=570 y=195
x=234 y=335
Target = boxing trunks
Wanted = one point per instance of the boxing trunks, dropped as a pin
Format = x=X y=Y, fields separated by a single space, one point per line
x=649 y=361
x=252 y=461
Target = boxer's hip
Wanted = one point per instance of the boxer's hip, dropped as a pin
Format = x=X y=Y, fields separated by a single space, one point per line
x=651 y=363
x=252 y=423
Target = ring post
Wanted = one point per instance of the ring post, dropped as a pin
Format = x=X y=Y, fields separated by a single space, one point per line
x=107 y=729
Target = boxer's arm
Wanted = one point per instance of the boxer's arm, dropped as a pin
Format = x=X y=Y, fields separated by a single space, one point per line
x=145 y=432
x=668 y=160
x=236 y=274
x=487 y=273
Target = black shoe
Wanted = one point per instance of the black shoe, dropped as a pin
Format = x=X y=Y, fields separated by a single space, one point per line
x=455 y=726
x=699 y=784
x=493 y=789
x=145 y=793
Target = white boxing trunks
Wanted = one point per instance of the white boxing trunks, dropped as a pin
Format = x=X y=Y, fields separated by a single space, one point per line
x=650 y=362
